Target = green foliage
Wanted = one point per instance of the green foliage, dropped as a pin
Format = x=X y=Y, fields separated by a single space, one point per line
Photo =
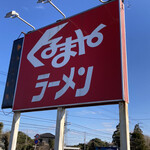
x=51 y=143
x=81 y=145
x=24 y=142
x=27 y=147
x=137 y=139
x=5 y=139
x=1 y=127
x=116 y=136
x=92 y=144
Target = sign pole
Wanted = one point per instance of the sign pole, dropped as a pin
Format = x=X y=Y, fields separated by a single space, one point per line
x=35 y=147
x=14 y=131
x=124 y=126
x=60 y=126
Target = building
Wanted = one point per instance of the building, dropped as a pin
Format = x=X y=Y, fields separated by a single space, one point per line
x=45 y=138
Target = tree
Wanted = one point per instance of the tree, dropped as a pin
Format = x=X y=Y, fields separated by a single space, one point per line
x=1 y=127
x=81 y=146
x=137 y=139
x=24 y=142
x=116 y=136
x=51 y=143
x=5 y=139
x=1 y=142
x=92 y=144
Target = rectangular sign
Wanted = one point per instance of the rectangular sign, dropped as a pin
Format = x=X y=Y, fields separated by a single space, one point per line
x=75 y=62
x=12 y=74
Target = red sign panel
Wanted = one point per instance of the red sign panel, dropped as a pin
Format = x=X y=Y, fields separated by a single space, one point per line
x=74 y=62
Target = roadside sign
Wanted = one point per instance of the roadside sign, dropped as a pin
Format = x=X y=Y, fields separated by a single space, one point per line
x=37 y=136
x=12 y=74
x=36 y=141
x=78 y=61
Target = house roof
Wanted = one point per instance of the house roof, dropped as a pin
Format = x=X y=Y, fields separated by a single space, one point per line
x=47 y=135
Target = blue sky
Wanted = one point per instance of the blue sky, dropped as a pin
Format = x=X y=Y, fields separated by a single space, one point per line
x=86 y=122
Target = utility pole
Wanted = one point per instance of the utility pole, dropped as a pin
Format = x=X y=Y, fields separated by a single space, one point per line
x=26 y=140
x=66 y=130
x=84 y=140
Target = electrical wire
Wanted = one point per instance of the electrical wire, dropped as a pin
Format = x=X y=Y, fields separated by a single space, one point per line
x=87 y=133
x=38 y=118
x=92 y=117
x=74 y=124
x=29 y=124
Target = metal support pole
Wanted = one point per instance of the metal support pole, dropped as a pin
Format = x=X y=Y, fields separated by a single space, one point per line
x=84 y=140
x=60 y=126
x=25 y=22
x=124 y=126
x=14 y=131
x=57 y=8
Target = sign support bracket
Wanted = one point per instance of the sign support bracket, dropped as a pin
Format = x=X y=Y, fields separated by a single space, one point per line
x=124 y=126
x=60 y=127
x=14 y=131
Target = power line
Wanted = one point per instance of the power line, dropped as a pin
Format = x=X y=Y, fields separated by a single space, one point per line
x=87 y=133
x=39 y=118
x=28 y=124
x=74 y=124
x=133 y=119
x=92 y=117
x=23 y=126
x=108 y=110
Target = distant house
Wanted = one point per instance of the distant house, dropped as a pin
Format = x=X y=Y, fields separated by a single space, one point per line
x=44 y=138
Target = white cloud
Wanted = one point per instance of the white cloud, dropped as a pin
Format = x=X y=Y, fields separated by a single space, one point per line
x=25 y=8
x=39 y=7
x=107 y=124
x=87 y=112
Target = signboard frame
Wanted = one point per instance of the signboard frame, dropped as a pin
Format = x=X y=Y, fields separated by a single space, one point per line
x=123 y=103
x=94 y=103
x=12 y=74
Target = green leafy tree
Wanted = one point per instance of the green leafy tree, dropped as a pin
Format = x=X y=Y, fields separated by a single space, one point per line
x=81 y=146
x=137 y=139
x=92 y=144
x=5 y=139
x=1 y=127
x=116 y=136
x=1 y=143
x=51 y=143
x=24 y=142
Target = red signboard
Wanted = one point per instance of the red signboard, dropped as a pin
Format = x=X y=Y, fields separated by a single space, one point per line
x=74 y=62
